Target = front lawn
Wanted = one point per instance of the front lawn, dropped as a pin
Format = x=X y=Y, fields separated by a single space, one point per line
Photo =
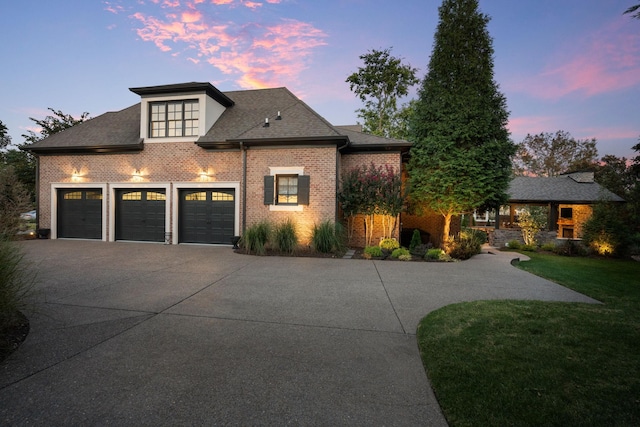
x=540 y=363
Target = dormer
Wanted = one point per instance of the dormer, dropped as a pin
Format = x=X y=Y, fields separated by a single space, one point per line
x=179 y=112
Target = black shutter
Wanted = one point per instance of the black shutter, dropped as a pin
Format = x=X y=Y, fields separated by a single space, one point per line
x=268 y=189
x=303 y=189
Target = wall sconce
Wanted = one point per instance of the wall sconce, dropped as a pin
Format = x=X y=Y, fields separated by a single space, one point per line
x=136 y=175
x=205 y=175
x=75 y=175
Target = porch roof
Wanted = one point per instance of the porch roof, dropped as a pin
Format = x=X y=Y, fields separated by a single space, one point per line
x=572 y=188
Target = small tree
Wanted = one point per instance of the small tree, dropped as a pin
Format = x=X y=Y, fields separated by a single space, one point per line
x=370 y=191
x=531 y=220
x=379 y=84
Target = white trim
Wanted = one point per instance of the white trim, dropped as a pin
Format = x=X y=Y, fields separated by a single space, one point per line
x=177 y=186
x=285 y=170
x=133 y=185
x=54 y=204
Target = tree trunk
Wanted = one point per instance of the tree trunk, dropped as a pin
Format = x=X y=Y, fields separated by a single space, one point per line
x=446 y=229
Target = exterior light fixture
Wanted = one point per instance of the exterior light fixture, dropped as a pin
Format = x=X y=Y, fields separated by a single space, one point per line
x=75 y=175
x=136 y=175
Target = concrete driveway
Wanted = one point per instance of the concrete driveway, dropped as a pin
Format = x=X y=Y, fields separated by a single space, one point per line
x=148 y=334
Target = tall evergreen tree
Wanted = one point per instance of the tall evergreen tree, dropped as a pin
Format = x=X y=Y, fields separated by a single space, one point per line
x=461 y=158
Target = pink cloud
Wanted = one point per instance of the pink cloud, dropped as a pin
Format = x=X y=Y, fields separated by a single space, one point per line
x=255 y=55
x=252 y=4
x=521 y=126
x=608 y=60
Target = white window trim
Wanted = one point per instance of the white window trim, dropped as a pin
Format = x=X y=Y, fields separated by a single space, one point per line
x=55 y=186
x=285 y=170
x=133 y=185
x=177 y=186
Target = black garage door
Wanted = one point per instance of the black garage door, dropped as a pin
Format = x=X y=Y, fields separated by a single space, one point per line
x=79 y=213
x=207 y=216
x=140 y=215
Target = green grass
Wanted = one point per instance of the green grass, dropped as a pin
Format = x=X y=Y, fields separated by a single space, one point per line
x=540 y=363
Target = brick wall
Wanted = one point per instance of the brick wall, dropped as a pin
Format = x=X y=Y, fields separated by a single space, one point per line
x=318 y=162
x=158 y=162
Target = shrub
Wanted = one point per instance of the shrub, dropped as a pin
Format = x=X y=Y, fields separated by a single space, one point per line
x=405 y=257
x=398 y=252
x=14 y=199
x=529 y=248
x=514 y=244
x=16 y=287
x=570 y=248
x=550 y=247
x=434 y=254
x=372 y=252
x=420 y=250
x=416 y=240
x=255 y=238
x=466 y=245
x=479 y=236
x=285 y=238
x=606 y=232
x=389 y=244
x=327 y=237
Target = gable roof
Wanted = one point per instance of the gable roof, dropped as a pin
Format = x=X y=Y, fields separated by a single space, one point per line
x=242 y=122
x=576 y=188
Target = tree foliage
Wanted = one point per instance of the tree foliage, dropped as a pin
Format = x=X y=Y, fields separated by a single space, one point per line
x=5 y=138
x=379 y=83
x=634 y=11
x=548 y=154
x=531 y=220
x=53 y=124
x=371 y=191
x=461 y=157
x=14 y=199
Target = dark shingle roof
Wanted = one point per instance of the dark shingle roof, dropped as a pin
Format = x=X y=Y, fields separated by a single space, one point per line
x=572 y=188
x=360 y=141
x=113 y=131
x=242 y=121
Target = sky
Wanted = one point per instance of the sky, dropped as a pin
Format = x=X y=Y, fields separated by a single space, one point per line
x=571 y=65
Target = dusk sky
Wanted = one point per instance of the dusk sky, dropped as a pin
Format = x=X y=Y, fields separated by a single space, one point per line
x=570 y=65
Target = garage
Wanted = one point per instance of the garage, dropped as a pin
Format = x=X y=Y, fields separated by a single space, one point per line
x=206 y=215
x=79 y=213
x=140 y=215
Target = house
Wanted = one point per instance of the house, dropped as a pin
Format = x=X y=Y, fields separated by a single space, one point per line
x=569 y=200
x=193 y=164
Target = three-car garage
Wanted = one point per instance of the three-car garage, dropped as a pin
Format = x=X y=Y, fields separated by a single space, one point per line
x=166 y=213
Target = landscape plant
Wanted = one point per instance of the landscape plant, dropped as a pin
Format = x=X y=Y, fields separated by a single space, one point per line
x=606 y=232
x=17 y=283
x=401 y=253
x=255 y=238
x=461 y=154
x=326 y=237
x=416 y=239
x=371 y=191
x=531 y=220
x=389 y=244
x=372 y=252
x=285 y=237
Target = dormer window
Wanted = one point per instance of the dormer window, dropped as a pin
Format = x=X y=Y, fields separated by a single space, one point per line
x=174 y=118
